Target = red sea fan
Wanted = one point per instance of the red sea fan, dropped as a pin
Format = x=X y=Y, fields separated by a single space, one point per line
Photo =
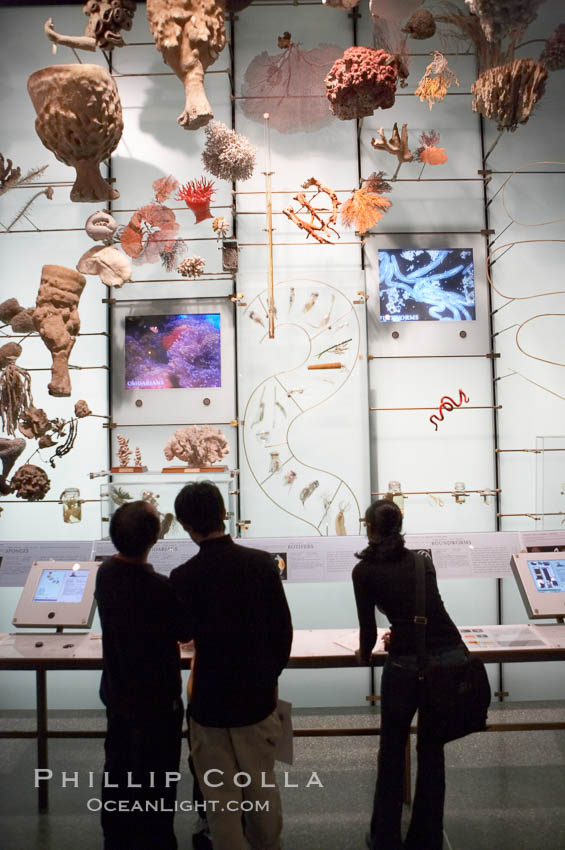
x=197 y=195
x=151 y=232
x=164 y=188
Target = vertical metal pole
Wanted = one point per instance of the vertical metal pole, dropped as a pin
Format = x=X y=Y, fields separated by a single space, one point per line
x=41 y=719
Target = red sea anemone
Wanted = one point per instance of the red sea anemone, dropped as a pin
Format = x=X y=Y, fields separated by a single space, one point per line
x=197 y=195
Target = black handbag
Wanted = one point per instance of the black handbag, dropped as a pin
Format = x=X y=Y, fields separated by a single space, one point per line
x=457 y=695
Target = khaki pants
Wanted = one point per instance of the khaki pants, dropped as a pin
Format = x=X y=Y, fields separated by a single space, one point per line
x=226 y=759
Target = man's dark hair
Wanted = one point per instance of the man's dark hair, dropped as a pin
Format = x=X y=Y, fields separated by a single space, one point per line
x=134 y=528
x=201 y=506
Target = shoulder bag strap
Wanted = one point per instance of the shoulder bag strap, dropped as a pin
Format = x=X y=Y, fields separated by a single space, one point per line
x=420 y=619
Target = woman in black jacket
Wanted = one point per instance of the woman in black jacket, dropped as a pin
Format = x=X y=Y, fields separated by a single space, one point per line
x=385 y=577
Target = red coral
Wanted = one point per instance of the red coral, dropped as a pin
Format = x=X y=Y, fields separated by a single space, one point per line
x=164 y=188
x=361 y=81
x=197 y=195
x=151 y=232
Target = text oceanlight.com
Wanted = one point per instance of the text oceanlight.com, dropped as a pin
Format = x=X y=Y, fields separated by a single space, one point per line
x=95 y=804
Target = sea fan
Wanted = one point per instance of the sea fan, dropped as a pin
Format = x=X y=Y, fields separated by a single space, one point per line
x=151 y=232
x=437 y=78
x=429 y=151
x=366 y=206
x=197 y=195
x=164 y=188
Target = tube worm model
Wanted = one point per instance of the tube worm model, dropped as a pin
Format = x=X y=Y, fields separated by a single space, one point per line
x=190 y=35
x=447 y=404
x=57 y=320
x=79 y=119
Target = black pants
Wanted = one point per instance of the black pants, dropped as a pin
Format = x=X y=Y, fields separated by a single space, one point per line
x=399 y=701
x=139 y=752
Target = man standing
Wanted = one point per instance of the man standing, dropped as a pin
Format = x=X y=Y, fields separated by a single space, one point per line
x=236 y=611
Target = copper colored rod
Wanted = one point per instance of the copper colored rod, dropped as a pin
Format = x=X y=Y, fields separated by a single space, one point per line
x=437 y=492
x=314 y=366
x=533 y=451
x=536 y=514
x=466 y=407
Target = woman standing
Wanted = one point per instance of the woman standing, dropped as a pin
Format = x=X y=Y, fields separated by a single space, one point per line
x=386 y=577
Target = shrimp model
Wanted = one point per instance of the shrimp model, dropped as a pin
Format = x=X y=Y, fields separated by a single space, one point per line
x=447 y=404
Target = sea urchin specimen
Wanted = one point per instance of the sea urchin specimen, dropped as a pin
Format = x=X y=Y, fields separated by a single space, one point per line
x=197 y=195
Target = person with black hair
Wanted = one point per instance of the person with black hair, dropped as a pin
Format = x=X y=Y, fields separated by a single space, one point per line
x=236 y=611
x=385 y=577
x=140 y=687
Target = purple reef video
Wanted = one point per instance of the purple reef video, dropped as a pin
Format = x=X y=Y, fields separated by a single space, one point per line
x=169 y=352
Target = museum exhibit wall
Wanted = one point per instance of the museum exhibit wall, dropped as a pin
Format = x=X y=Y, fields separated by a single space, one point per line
x=318 y=424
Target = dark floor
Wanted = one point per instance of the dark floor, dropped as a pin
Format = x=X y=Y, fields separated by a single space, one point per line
x=505 y=790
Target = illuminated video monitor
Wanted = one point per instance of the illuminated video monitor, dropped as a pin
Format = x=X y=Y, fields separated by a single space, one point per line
x=541 y=581
x=173 y=352
x=58 y=593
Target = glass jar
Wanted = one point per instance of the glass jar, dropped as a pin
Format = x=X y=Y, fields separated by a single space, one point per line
x=72 y=505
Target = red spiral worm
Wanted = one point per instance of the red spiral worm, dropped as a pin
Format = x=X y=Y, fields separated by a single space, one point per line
x=446 y=403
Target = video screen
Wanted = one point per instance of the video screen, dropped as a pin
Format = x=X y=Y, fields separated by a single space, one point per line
x=173 y=352
x=548 y=576
x=61 y=586
x=422 y=285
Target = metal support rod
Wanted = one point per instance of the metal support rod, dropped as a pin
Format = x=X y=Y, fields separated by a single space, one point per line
x=536 y=514
x=41 y=720
x=533 y=451
x=467 y=407
x=486 y=492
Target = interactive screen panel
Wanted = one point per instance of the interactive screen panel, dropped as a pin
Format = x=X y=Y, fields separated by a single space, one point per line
x=541 y=581
x=58 y=593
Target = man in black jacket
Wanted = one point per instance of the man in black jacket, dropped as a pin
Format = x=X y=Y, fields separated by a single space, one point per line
x=140 y=687
x=236 y=611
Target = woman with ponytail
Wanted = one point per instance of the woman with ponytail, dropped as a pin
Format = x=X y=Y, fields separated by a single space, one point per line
x=385 y=577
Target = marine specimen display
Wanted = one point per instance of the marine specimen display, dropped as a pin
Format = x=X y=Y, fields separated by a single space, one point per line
x=553 y=54
x=106 y=20
x=124 y=451
x=420 y=284
x=197 y=195
x=30 y=482
x=79 y=119
x=57 y=320
x=397 y=145
x=321 y=218
x=10 y=450
x=101 y=226
x=221 y=227
x=112 y=267
x=197 y=445
x=290 y=86
x=152 y=232
x=82 y=409
x=367 y=205
x=192 y=267
x=15 y=387
x=72 y=505
x=230 y=260
x=447 y=404
x=420 y=25
x=437 y=79
x=306 y=492
x=339 y=523
x=508 y=93
x=497 y=17
x=362 y=80
x=428 y=151
x=228 y=155
x=290 y=477
x=168 y=352
x=11 y=176
x=19 y=318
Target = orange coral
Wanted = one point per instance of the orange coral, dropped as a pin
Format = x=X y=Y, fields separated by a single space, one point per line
x=433 y=156
x=437 y=78
x=364 y=209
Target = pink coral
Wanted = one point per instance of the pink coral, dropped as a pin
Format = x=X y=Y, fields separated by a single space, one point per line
x=197 y=446
x=361 y=81
x=151 y=232
x=197 y=195
x=164 y=188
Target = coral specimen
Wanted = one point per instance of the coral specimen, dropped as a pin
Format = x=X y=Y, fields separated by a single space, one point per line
x=220 y=227
x=79 y=118
x=106 y=19
x=319 y=227
x=397 y=145
x=498 y=17
x=290 y=86
x=137 y=460
x=437 y=78
x=82 y=409
x=366 y=206
x=151 y=233
x=30 y=483
x=228 y=155
x=197 y=195
x=15 y=387
x=190 y=35
x=192 y=267
x=429 y=152
x=553 y=54
x=197 y=445
x=508 y=93
x=11 y=177
x=420 y=25
x=33 y=422
x=101 y=226
x=10 y=450
x=124 y=451
x=106 y=261
x=57 y=320
x=361 y=81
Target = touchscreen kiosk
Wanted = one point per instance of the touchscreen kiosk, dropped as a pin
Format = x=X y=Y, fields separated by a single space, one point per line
x=59 y=594
x=541 y=581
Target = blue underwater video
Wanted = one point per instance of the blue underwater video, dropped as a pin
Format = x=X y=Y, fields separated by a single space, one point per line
x=426 y=285
x=173 y=352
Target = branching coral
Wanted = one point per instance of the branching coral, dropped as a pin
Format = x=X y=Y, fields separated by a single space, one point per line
x=361 y=81
x=124 y=451
x=321 y=218
x=228 y=155
x=397 y=145
x=30 y=482
x=192 y=267
x=151 y=233
x=509 y=93
x=197 y=445
x=553 y=54
x=437 y=79
x=366 y=206
x=15 y=387
x=197 y=195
